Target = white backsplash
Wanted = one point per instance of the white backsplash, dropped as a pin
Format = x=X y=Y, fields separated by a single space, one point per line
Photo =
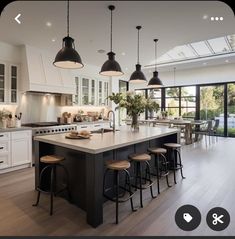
x=45 y=108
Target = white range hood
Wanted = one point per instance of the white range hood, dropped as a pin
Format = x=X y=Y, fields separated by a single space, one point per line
x=40 y=75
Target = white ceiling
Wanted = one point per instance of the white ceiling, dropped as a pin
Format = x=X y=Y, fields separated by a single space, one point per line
x=173 y=22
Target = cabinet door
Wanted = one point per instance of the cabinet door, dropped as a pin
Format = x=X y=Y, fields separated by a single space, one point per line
x=85 y=91
x=77 y=91
x=2 y=82
x=93 y=91
x=21 y=151
x=100 y=93
x=4 y=161
x=106 y=93
x=13 y=85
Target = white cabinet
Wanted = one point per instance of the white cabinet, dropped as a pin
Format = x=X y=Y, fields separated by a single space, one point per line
x=103 y=92
x=41 y=75
x=90 y=91
x=21 y=147
x=15 y=150
x=9 y=75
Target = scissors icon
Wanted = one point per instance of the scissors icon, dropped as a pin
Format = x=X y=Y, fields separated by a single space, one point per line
x=217 y=219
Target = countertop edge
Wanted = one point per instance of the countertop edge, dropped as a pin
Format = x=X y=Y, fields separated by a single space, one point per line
x=86 y=150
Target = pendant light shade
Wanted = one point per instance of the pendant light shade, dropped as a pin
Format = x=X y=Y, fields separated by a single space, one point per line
x=138 y=76
x=111 y=67
x=155 y=82
x=68 y=57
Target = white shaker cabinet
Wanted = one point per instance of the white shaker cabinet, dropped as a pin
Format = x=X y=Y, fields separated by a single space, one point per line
x=15 y=150
x=21 y=148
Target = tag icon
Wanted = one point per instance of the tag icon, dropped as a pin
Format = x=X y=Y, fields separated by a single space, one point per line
x=187 y=217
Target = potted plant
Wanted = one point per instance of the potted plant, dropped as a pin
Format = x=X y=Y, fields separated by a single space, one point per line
x=135 y=104
x=4 y=115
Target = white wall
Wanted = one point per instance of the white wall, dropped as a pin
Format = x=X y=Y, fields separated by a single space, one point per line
x=10 y=53
x=202 y=75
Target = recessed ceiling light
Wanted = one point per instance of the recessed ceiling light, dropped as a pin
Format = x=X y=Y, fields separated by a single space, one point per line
x=205 y=17
x=101 y=51
x=123 y=53
x=212 y=18
x=216 y=18
x=48 y=24
x=221 y=18
x=53 y=40
x=227 y=61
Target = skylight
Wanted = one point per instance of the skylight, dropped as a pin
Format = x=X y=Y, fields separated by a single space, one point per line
x=211 y=47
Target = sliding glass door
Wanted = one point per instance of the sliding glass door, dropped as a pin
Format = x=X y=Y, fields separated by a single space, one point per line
x=212 y=105
x=231 y=109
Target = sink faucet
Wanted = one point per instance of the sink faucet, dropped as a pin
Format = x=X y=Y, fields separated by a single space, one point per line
x=113 y=126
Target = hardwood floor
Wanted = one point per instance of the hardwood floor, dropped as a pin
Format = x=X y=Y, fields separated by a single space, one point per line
x=210 y=177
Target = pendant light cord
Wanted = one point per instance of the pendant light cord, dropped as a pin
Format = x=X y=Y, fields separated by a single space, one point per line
x=138 y=47
x=68 y=18
x=155 y=40
x=111 y=32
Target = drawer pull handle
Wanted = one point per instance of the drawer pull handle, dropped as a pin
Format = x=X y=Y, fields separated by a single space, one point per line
x=1 y=135
x=1 y=161
x=83 y=127
x=1 y=147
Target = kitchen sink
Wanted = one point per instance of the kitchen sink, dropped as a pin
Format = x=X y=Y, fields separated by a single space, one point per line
x=99 y=131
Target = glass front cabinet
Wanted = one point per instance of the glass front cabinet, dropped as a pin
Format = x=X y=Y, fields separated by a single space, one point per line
x=90 y=91
x=9 y=74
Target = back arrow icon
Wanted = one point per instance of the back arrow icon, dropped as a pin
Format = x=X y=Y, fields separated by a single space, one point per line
x=17 y=19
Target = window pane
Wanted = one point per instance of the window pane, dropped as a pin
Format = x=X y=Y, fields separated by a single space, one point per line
x=173 y=112
x=201 y=48
x=188 y=112
x=188 y=91
x=153 y=94
x=172 y=102
x=231 y=40
x=219 y=45
x=1 y=69
x=172 y=92
x=181 y=52
x=13 y=71
x=188 y=102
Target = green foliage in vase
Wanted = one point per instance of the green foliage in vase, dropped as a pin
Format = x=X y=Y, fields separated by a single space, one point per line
x=134 y=103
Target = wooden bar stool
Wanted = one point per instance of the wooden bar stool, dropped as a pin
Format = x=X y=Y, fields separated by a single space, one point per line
x=52 y=162
x=160 y=158
x=174 y=148
x=139 y=159
x=116 y=166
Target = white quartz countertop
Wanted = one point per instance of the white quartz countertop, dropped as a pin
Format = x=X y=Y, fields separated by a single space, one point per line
x=99 y=143
x=5 y=130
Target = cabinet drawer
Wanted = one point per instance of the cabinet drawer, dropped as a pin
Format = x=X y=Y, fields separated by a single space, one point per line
x=21 y=134
x=4 y=161
x=4 y=147
x=4 y=136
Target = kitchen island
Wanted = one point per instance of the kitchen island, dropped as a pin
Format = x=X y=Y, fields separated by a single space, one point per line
x=85 y=160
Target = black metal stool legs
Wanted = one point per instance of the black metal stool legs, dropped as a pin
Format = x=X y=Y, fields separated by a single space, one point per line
x=117 y=193
x=52 y=189
x=129 y=183
x=150 y=181
x=157 y=158
x=165 y=163
x=181 y=166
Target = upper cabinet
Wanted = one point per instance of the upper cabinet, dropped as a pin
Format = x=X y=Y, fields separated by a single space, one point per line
x=90 y=91
x=9 y=75
x=41 y=75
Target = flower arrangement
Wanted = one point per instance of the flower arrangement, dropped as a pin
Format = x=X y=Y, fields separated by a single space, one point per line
x=135 y=105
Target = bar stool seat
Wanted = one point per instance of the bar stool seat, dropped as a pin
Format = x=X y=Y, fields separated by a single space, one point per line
x=118 y=164
x=140 y=157
x=51 y=159
x=52 y=163
x=174 y=150
x=172 y=145
x=157 y=150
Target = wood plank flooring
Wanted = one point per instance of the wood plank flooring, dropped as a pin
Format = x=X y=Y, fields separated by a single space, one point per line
x=210 y=182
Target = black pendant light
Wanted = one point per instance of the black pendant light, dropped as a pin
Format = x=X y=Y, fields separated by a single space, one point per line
x=155 y=82
x=67 y=57
x=111 y=67
x=138 y=76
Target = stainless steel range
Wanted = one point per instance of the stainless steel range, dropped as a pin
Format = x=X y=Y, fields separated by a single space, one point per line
x=46 y=128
